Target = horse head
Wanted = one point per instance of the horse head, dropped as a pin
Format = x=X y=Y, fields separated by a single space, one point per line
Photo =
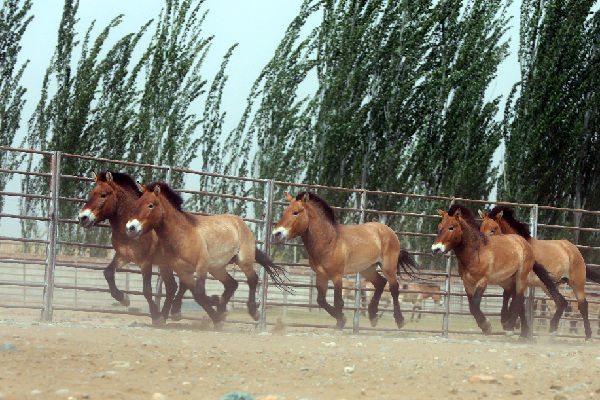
x=489 y=225
x=102 y=201
x=294 y=220
x=148 y=212
x=449 y=233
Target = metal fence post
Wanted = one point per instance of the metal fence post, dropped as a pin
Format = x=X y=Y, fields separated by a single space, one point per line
x=159 y=280
x=358 y=292
x=533 y=225
x=447 y=288
x=262 y=321
x=52 y=233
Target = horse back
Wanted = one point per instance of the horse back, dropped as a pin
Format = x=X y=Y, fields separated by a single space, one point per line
x=226 y=234
x=365 y=244
x=504 y=255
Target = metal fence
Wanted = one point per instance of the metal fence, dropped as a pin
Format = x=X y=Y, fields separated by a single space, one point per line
x=65 y=276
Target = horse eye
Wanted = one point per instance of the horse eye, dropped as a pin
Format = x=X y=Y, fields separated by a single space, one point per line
x=295 y=212
x=492 y=232
x=150 y=206
x=103 y=195
x=451 y=228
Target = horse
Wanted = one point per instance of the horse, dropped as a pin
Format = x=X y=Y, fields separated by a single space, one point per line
x=505 y=260
x=561 y=258
x=113 y=198
x=544 y=307
x=201 y=244
x=335 y=250
x=417 y=299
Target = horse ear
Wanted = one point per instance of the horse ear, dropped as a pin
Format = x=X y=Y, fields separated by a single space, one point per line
x=96 y=176
x=288 y=197
x=442 y=212
x=109 y=177
x=457 y=213
x=157 y=190
x=482 y=214
x=306 y=197
x=499 y=215
x=140 y=187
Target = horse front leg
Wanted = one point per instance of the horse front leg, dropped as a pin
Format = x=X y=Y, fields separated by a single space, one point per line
x=157 y=317
x=475 y=308
x=177 y=301
x=170 y=288
x=109 y=275
x=506 y=295
x=322 y=283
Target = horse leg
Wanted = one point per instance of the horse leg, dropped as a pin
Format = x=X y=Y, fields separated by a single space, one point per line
x=395 y=292
x=506 y=295
x=157 y=317
x=229 y=284
x=199 y=291
x=109 y=275
x=578 y=290
x=322 y=283
x=245 y=260
x=338 y=302
x=252 y=307
x=378 y=282
x=170 y=288
x=177 y=301
x=524 y=324
x=475 y=309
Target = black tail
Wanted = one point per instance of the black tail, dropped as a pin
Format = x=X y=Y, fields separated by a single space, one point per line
x=408 y=264
x=275 y=271
x=592 y=275
x=542 y=273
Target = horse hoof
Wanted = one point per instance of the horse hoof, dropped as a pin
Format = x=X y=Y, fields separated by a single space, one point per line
x=176 y=316
x=158 y=321
x=125 y=300
x=341 y=322
x=400 y=323
x=219 y=325
x=374 y=320
x=486 y=327
x=255 y=315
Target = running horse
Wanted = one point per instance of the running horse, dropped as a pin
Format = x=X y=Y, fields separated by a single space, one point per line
x=113 y=198
x=335 y=250
x=561 y=258
x=505 y=260
x=201 y=244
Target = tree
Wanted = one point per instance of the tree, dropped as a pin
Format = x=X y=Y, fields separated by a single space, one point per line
x=551 y=130
x=14 y=20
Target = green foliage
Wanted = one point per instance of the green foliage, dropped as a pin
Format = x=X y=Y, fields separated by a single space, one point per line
x=14 y=20
x=400 y=102
x=552 y=153
x=105 y=103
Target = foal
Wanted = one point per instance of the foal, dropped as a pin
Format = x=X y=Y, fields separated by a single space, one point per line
x=561 y=258
x=113 y=198
x=201 y=244
x=505 y=260
x=335 y=250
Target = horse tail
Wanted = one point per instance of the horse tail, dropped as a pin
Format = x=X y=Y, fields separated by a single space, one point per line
x=407 y=263
x=592 y=275
x=276 y=272
x=542 y=273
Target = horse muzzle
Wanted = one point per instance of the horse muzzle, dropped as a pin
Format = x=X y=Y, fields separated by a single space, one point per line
x=86 y=218
x=438 y=249
x=133 y=228
x=279 y=235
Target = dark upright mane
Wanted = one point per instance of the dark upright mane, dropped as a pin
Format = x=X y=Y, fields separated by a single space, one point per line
x=174 y=198
x=122 y=179
x=320 y=203
x=467 y=216
x=509 y=216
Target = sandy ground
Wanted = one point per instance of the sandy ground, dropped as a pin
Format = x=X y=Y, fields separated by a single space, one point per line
x=101 y=356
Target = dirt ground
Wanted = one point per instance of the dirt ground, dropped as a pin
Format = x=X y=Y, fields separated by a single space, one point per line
x=101 y=356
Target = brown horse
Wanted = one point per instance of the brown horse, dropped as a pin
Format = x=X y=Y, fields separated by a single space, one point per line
x=201 y=244
x=505 y=260
x=113 y=198
x=335 y=250
x=417 y=299
x=561 y=258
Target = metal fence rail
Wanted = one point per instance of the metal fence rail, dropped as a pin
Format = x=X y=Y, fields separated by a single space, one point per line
x=66 y=276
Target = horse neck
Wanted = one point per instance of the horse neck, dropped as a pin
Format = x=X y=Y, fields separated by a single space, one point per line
x=506 y=228
x=469 y=245
x=125 y=205
x=171 y=219
x=319 y=234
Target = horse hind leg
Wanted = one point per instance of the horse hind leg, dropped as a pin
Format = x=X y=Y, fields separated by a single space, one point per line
x=177 y=302
x=578 y=286
x=379 y=283
x=230 y=285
